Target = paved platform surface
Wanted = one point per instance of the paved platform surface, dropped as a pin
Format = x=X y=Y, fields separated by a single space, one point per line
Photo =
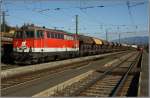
x=144 y=77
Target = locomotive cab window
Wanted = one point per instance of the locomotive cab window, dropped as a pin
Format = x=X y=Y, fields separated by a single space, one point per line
x=49 y=34
x=62 y=36
x=52 y=35
x=55 y=35
x=59 y=36
x=40 y=34
x=24 y=34
x=18 y=34
x=29 y=34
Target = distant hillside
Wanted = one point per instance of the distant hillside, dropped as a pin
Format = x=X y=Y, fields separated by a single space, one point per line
x=139 y=40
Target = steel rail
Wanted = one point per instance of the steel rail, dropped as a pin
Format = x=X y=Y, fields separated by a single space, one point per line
x=78 y=91
x=123 y=79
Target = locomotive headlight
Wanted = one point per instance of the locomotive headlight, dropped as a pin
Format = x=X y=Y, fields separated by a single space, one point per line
x=15 y=49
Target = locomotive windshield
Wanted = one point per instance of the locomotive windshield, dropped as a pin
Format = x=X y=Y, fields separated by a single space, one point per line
x=24 y=34
x=40 y=34
x=18 y=34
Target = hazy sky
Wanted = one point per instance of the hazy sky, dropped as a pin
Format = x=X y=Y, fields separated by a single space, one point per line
x=95 y=16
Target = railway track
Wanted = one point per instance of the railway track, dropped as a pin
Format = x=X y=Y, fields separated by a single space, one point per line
x=102 y=84
x=13 y=65
x=18 y=80
x=6 y=83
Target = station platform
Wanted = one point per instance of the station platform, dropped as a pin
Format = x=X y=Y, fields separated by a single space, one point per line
x=143 y=90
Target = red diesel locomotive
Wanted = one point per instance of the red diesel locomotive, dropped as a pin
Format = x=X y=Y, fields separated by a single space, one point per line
x=35 y=44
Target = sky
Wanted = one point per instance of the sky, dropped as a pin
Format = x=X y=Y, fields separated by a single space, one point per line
x=95 y=17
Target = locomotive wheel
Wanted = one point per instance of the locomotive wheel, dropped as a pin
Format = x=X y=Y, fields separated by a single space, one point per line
x=34 y=61
x=46 y=59
x=55 y=57
x=41 y=60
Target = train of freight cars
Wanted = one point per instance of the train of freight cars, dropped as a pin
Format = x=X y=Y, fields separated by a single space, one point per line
x=37 y=44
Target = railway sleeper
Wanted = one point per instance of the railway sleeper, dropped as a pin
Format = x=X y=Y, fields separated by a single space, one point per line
x=106 y=91
x=94 y=94
x=98 y=88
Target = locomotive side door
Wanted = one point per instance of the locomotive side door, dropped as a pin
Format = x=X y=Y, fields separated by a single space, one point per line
x=40 y=40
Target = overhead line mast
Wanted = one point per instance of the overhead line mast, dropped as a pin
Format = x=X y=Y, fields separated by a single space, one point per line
x=76 y=36
x=3 y=18
x=0 y=25
x=76 y=24
x=0 y=15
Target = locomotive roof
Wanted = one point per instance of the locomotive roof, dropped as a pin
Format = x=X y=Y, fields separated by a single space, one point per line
x=47 y=29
